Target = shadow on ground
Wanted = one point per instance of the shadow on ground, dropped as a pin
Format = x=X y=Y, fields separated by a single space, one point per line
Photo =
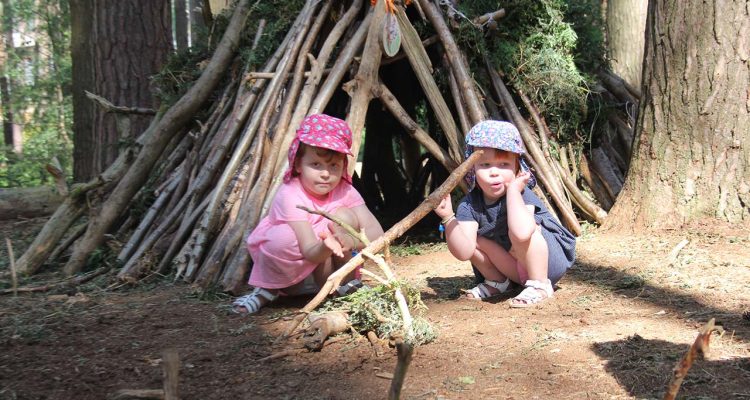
x=682 y=304
x=641 y=365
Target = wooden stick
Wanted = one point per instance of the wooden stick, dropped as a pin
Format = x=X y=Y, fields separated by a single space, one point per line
x=171 y=369
x=420 y=63
x=457 y=100
x=360 y=88
x=331 y=84
x=70 y=282
x=429 y=204
x=595 y=184
x=414 y=130
x=472 y=99
x=493 y=16
x=13 y=276
x=270 y=75
x=109 y=107
x=128 y=394
x=404 y=353
x=699 y=347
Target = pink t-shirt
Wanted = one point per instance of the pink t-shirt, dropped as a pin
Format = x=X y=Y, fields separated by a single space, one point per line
x=277 y=260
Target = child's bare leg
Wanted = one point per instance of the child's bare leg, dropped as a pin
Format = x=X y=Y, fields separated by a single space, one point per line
x=495 y=261
x=496 y=269
x=533 y=255
x=323 y=271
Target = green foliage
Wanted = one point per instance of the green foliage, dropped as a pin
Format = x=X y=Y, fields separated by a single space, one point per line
x=39 y=75
x=375 y=309
x=538 y=48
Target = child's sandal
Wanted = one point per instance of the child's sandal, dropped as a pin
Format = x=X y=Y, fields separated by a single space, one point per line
x=535 y=293
x=252 y=302
x=482 y=291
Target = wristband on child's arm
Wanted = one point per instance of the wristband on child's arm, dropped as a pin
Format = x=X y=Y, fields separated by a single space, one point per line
x=447 y=219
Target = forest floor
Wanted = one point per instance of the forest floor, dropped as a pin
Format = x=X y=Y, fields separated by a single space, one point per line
x=618 y=323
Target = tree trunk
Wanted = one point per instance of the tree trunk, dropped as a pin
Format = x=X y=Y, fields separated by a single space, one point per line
x=690 y=158
x=626 y=23
x=11 y=132
x=181 y=24
x=106 y=36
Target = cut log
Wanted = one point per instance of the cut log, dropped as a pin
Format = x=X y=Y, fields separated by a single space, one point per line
x=32 y=202
x=595 y=184
x=606 y=172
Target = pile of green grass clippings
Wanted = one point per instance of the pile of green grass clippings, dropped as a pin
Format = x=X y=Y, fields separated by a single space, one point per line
x=375 y=309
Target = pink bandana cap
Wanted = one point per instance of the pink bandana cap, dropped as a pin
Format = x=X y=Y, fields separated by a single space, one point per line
x=326 y=132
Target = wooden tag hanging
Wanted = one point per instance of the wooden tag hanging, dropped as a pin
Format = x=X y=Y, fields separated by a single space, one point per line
x=391 y=36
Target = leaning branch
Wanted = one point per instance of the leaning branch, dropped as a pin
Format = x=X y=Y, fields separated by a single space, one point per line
x=429 y=204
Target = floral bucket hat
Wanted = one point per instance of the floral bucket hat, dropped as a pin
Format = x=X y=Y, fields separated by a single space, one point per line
x=324 y=131
x=499 y=135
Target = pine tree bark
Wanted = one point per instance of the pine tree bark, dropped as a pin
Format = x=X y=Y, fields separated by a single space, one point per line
x=690 y=156
x=106 y=36
x=626 y=23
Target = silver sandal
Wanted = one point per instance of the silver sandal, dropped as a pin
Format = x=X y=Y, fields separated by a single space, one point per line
x=535 y=293
x=252 y=302
x=482 y=291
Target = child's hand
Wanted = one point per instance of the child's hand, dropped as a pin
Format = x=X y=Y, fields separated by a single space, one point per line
x=445 y=208
x=520 y=181
x=346 y=240
x=330 y=241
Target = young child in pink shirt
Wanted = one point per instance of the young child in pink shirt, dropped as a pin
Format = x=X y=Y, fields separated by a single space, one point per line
x=294 y=251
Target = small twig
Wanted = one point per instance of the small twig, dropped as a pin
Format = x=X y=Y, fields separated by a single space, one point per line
x=74 y=281
x=129 y=394
x=375 y=342
x=699 y=346
x=373 y=276
x=676 y=251
x=400 y=299
x=109 y=107
x=291 y=352
x=13 y=276
x=349 y=229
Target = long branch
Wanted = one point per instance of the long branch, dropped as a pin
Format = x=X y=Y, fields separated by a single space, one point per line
x=429 y=204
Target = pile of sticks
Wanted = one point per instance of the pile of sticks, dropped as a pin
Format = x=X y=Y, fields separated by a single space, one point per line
x=214 y=179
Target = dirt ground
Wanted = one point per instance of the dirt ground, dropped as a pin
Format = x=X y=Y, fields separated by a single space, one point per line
x=619 y=322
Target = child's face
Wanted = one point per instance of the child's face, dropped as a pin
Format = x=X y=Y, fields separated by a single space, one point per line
x=319 y=170
x=494 y=170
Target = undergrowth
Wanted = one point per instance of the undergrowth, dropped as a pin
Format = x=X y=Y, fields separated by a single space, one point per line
x=375 y=309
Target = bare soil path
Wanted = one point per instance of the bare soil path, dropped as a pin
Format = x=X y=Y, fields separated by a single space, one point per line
x=619 y=322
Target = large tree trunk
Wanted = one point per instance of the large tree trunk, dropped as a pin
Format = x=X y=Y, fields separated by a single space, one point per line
x=626 y=26
x=106 y=36
x=690 y=158
x=181 y=22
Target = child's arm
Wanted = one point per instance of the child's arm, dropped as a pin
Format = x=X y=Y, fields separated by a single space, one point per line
x=521 y=223
x=460 y=236
x=368 y=222
x=315 y=249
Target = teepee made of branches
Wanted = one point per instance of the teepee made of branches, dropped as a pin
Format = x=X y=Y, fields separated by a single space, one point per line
x=183 y=197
